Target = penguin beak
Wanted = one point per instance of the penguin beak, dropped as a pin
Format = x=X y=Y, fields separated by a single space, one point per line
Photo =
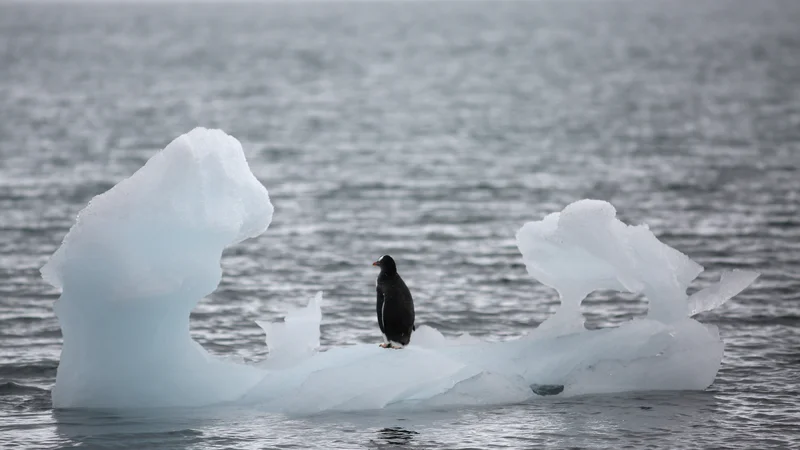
x=376 y=263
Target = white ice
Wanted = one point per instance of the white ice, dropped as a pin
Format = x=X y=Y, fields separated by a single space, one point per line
x=134 y=265
x=141 y=255
x=295 y=338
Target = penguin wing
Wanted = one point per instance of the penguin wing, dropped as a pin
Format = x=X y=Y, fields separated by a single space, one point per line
x=398 y=314
x=379 y=305
x=407 y=306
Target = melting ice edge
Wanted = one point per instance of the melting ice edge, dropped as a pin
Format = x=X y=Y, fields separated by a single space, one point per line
x=141 y=255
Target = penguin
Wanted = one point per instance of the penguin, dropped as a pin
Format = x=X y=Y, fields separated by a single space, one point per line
x=395 y=306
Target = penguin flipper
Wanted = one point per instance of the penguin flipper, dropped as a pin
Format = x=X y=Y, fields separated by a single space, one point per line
x=379 y=305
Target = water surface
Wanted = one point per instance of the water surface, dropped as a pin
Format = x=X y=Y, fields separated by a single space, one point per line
x=431 y=132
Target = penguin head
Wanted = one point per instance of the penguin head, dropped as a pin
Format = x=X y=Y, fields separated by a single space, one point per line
x=386 y=263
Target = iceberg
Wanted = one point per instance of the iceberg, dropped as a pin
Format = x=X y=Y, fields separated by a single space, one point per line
x=138 y=259
x=141 y=255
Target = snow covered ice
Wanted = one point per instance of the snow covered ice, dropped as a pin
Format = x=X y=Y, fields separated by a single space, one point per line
x=141 y=256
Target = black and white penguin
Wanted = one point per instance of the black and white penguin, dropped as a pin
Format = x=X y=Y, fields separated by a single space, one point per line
x=395 y=305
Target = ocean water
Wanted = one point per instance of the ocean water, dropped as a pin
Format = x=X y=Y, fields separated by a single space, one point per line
x=430 y=131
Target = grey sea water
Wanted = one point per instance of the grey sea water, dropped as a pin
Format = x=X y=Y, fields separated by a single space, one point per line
x=431 y=131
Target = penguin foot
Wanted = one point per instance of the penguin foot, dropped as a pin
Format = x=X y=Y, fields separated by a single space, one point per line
x=393 y=345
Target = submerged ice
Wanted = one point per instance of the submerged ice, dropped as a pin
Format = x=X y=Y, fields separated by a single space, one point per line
x=141 y=256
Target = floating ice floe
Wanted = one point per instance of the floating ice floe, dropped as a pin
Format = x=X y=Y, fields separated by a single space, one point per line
x=141 y=256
